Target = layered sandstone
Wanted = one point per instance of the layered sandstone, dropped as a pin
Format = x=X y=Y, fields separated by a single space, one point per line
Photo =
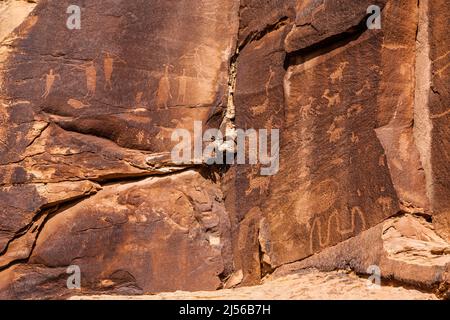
x=87 y=116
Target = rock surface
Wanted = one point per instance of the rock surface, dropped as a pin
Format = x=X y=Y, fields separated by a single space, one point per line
x=307 y=285
x=87 y=177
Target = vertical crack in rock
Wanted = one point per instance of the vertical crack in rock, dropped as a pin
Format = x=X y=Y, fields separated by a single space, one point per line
x=422 y=123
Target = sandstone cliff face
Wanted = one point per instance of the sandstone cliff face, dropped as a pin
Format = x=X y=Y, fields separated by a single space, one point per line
x=86 y=175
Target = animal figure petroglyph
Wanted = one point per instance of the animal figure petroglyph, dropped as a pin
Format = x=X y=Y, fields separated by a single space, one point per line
x=163 y=94
x=49 y=81
x=364 y=88
x=332 y=100
x=307 y=110
x=336 y=130
x=339 y=73
x=257 y=182
x=354 y=110
x=317 y=226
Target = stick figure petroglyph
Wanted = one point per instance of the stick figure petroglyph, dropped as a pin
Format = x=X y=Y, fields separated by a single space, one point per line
x=182 y=85
x=49 y=81
x=91 y=77
x=108 y=66
x=261 y=108
x=195 y=60
x=163 y=94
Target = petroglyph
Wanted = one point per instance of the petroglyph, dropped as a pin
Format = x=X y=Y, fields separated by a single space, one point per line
x=318 y=199
x=138 y=99
x=354 y=138
x=91 y=77
x=316 y=227
x=259 y=182
x=108 y=67
x=441 y=70
x=259 y=109
x=336 y=129
x=337 y=162
x=164 y=133
x=440 y=115
x=195 y=60
x=332 y=100
x=163 y=94
x=386 y=204
x=339 y=73
x=140 y=136
x=365 y=87
x=354 y=110
x=307 y=110
x=381 y=161
x=49 y=81
x=182 y=86
x=76 y=104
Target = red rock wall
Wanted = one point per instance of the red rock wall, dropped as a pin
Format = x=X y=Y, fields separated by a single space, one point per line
x=87 y=116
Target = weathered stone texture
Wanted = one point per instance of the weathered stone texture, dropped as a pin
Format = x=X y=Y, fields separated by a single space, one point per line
x=87 y=116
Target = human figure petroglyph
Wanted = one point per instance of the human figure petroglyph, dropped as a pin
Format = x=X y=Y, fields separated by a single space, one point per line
x=108 y=66
x=260 y=109
x=317 y=226
x=339 y=73
x=182 y=86
x=138 y=99
x=386 y=204
x=163 y=94
x=140 y=136
x=91 y=77
x=49 y=81
x=195 y=60
x=332 y=100
x=381 y=161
